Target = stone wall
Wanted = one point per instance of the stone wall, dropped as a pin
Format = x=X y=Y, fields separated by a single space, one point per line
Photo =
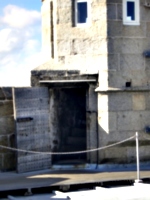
x=123 y=112
x=116 y=52
x=126 y=44
x=122 y=115
x=76 y=47
x=7 y=129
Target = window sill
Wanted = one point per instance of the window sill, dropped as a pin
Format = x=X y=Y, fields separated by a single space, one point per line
x=131 y=23
x=83 y=25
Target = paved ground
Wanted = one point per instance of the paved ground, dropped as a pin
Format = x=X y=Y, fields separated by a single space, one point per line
x=13 y=181
x=137 y=192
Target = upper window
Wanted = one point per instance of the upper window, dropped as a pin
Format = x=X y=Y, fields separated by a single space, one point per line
x=131 y=13
x=82 y=14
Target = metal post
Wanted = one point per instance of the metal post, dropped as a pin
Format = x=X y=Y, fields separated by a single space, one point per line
x=137 y=159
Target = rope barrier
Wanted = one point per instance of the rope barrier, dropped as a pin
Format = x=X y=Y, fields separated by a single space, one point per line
x=67 y=153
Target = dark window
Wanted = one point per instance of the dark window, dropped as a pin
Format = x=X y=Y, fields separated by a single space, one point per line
x=82 y=12
x=131 y=10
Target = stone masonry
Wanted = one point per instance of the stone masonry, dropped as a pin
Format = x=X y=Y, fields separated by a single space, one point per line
x=7 y=130
x=125 y=107
x=113 y=52
x=104 y=62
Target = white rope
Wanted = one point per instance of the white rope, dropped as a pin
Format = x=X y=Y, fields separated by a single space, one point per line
x=67 y=153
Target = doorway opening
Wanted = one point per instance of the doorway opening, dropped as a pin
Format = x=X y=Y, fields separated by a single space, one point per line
x=71 y=125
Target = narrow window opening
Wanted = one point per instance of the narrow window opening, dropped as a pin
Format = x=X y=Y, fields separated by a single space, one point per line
x=82 y=12
x=130 y=10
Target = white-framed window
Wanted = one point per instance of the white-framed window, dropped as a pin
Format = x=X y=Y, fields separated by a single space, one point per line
x=82 y=12
x=131 y=12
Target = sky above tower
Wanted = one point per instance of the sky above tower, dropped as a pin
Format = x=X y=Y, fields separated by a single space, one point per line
x=20 y=41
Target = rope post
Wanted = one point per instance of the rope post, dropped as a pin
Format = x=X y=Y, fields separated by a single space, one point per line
x=138 y=180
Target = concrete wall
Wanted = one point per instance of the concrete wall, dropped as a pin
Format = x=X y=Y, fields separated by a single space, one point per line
x=7 y=129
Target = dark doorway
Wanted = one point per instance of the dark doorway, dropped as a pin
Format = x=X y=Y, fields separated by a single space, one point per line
x=71 y=114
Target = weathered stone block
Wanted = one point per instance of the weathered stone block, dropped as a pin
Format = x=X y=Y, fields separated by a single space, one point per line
x=103 y=102
x=113 y=62
x=144 y=14
x=89 y=46
x=147 y=71
x=144 y=153
x=64 y=47
x=129 y=62
x=114 y=32
x=103 y=79
x=89 y=63
x=9 y=162
x=92 y=135
x=116 y=79
x=7 y=125
x=148 y=29
x=147 y=100
x=95 y=29
x=113 y=1
x=64 y=16
x=97 y=2
x=5 y=93
x=2 y=95
x=120 y=101
x=127 y=45
x=1 y=162
x=137 y=31
x=112 y=11
x=126 y=31
x=99 y=12
x=11 y=139
x=137 y=80
x=103 y=121
x=92 y=99
x=128 y=76
x=112 y=121
x=64 y=4
x=147 y=63
x=6 y=108
x=138 y=101
x=119 y=10
x=116 y=154
x=4 y=142
x=131 y=154
x=144 y=119
x=131 y=121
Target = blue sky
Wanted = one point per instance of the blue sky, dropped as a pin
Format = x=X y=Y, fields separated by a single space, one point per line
x=20 y=40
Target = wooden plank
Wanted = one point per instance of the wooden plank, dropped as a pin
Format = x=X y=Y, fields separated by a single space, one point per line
x=31 y=106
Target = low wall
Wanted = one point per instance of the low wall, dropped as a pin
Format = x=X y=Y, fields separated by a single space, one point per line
x=7 y=129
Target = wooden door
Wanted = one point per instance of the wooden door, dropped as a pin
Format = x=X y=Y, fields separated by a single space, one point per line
x=31 y=110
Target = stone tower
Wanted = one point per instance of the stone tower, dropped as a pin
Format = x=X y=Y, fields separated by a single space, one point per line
x=103 y=46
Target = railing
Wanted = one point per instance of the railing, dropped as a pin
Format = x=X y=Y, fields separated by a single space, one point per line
x=136 y=136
